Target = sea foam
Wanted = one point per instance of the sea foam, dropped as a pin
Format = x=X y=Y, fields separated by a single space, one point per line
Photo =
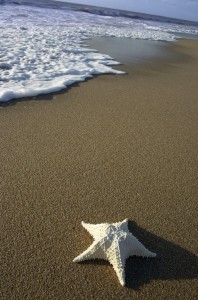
x=41 y=49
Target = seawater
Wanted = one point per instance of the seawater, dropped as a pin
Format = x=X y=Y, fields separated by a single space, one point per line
x=131 y=51
x=42 y=48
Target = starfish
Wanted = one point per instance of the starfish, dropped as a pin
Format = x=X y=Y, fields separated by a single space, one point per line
x=115 y=243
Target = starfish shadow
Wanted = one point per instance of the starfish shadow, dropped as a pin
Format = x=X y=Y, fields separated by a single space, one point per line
x=172 y=261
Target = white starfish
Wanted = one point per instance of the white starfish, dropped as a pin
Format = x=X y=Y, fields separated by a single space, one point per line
x=115 y=243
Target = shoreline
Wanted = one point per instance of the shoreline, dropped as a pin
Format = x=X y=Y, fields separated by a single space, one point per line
x=170 y=52
x=115 y=147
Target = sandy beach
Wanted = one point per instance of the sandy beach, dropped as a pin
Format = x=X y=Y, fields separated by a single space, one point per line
x=115 y=147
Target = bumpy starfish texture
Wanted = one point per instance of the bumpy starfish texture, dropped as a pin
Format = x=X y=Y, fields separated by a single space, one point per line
x=115 y=243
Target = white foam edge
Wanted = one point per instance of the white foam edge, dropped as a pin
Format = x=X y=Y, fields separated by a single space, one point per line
x=36 y=88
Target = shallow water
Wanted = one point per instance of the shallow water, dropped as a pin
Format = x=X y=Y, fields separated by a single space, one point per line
x=130 y=51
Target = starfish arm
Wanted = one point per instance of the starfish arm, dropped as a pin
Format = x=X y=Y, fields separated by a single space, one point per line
x=137 y=248
x=124 y=225
x=95 y=251
x=117 y=257
x=96 y=230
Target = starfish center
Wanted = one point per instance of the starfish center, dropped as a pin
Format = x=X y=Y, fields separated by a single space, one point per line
x=116 y=232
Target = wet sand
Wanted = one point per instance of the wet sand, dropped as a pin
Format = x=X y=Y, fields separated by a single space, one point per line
x=131 y=52
x=115 y=147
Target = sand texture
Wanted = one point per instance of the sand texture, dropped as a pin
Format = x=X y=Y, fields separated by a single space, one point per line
x=115 y=147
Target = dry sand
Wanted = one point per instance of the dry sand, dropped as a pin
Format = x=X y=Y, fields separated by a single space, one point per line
x=113 y=147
